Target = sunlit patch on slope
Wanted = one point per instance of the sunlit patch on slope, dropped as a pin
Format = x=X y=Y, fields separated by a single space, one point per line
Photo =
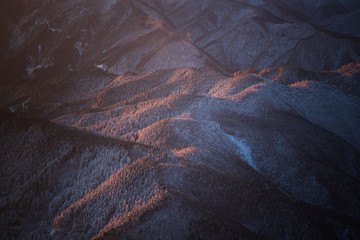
x=124 y=198
x=184 y=152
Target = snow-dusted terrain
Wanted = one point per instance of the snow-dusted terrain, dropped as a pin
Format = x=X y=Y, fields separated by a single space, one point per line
x=47 y=37
x=163 y=119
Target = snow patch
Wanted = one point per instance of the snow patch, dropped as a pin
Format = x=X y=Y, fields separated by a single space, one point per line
x=70 y=68
x=30 y=70
x=244 y=151
x=80 y=47
x=55 y=30
x=23 y=105
x=101 y=66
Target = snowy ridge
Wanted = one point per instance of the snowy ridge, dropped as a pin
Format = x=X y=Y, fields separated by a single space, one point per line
x=164 y=119
x=244 y=151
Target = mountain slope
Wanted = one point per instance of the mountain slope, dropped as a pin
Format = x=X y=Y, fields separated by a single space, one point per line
x=43 y=38
x=93 y=187
x=162 y=119
x=267 y=149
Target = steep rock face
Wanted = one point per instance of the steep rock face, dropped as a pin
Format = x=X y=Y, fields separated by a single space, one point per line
x=44 y=38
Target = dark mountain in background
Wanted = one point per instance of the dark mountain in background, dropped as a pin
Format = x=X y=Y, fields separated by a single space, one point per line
x=51 y=37
x=160 y=119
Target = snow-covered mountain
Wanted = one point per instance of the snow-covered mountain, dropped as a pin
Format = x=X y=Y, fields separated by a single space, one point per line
x=160 y=119
x=48 y=37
